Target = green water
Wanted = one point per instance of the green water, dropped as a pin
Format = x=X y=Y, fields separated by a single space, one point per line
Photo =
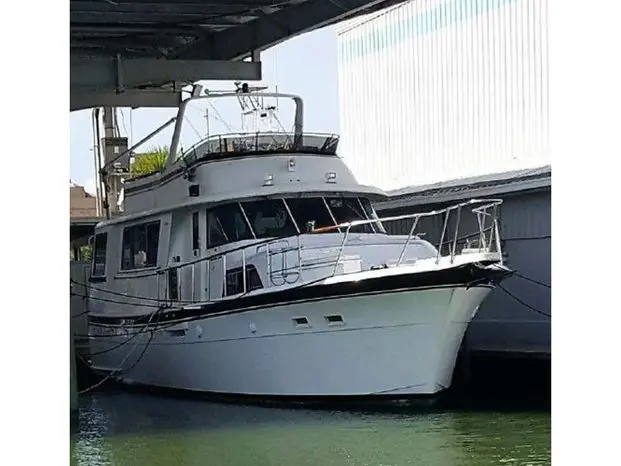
x=135 y=429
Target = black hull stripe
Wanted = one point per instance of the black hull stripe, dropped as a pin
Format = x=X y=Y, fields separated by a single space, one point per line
x=468 y=275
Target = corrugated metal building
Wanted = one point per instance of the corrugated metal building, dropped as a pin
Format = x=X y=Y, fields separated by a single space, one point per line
x=515 y=319
x=432 y=90
x=446 y=100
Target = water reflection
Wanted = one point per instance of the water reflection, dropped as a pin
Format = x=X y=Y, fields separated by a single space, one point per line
x=128 y=429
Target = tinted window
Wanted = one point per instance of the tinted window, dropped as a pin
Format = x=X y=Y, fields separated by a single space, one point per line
x=348 y=209
x=309 y=210
x=225 y=224
x=140 y=243
x=269 y=218
x=99 y=254
x=235 y=283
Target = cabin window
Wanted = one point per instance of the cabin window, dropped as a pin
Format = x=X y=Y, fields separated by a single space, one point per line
x=235 y=283
x=225 y=224
x=269 y=218
x=310 y=213
x=195 y=236
x=140 y=244
x=99 y=255
x=348 y=209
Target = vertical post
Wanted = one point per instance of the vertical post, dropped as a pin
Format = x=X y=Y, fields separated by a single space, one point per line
x=159 y=288
x=408 y=240
x=338 y=258
x=208 y=279
x=491 y=229
x=454 y=248
x=244 y=270
x=112 y=182
x=496 y=232
x=298 y=124
x=192 y=298
x=224 y=275
x=299 y=258
x=268 y=264
x=442 y=236
x=481 y=222
x=498 y=244
x=174 y=144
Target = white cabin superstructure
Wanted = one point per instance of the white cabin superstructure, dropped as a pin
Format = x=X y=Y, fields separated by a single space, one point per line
x=254 y=264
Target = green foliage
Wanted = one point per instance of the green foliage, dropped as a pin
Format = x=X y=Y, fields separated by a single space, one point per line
x=81 y=253
x=149 y=162
x=86 y=252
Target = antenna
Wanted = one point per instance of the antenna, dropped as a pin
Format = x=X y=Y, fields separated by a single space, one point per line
x=253 y=105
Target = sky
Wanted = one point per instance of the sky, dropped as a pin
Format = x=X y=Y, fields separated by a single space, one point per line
x=305 y=65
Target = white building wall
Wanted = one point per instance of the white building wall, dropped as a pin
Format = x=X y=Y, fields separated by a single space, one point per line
x=433 y=90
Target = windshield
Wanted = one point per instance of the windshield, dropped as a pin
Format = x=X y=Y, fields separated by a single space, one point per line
x=271 y=218
x=225 y=224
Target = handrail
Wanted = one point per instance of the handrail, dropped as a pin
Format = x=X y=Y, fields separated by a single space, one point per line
x=491 y=203
x=249 y=136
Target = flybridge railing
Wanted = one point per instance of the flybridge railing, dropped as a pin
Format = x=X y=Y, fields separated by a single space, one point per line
x=233 y=143
x=285 y=263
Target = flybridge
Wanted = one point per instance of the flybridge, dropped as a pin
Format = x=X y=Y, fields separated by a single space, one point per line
x=261 y=131
x=261 y=128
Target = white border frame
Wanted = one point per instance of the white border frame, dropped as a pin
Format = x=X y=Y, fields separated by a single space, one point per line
x=586 y=136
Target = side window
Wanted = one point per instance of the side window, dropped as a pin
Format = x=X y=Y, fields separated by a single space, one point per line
x=99 y=255
x=235 y=283
x=269 y=218
x=225 y=224
x=140 y=245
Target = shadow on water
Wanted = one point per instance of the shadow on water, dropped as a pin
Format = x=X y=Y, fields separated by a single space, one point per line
x=119 y=427
x=499 y=415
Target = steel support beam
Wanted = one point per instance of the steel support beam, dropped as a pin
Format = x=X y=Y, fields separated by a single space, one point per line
x=81 y=99
x=103 y=73
x=235 y=43
x=204 y=8
x=135 y=82
x=108 y=18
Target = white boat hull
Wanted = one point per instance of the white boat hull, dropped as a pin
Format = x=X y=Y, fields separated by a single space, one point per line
x=396 y=344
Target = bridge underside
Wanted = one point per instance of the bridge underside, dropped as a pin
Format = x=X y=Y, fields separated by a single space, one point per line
x=142 y=52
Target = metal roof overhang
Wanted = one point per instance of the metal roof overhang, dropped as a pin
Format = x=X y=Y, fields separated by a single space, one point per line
x=143 y=52
x=492 y=185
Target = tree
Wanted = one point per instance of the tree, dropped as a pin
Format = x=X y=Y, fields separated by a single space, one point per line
x=149 y=162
